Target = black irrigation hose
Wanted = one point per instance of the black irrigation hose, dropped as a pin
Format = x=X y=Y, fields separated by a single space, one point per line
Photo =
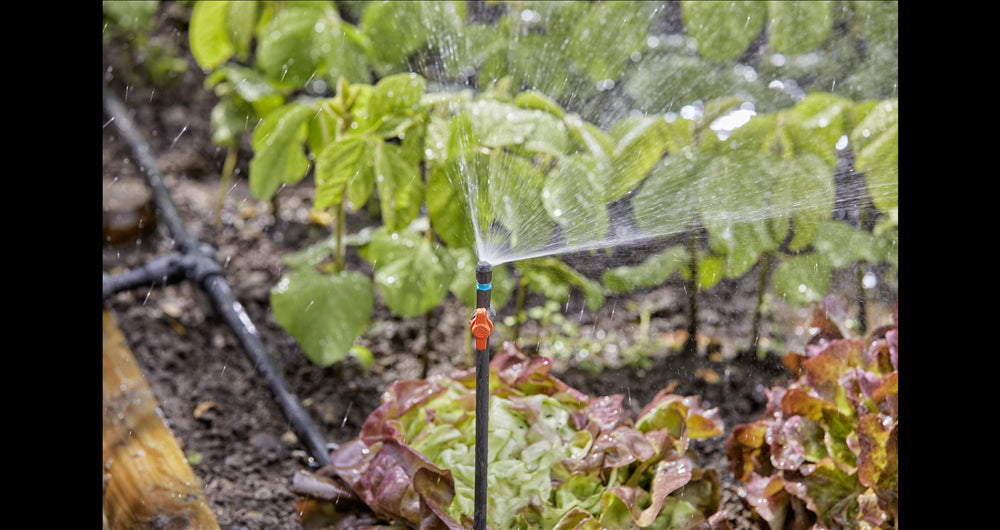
x=196 y=261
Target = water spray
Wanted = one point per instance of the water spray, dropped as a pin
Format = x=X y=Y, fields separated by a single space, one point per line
x=482 y=326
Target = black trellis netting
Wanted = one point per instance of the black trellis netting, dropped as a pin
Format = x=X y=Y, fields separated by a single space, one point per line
x=195 y=260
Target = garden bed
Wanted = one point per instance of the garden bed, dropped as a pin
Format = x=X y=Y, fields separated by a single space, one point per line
x=224 y=416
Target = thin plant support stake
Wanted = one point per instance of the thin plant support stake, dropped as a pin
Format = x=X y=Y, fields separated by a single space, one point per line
x=482 y=326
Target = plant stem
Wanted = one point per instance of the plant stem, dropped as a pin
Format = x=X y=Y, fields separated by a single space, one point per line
x=691 y=344
x=341 y=214
x=765 y=269
x=644 y=338
x=227 y=174
x=863 y=215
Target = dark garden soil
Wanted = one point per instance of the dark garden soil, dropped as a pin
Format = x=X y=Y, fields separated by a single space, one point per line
x=222 y=412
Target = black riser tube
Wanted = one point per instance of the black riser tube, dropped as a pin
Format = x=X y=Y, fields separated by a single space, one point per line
x=484 y=277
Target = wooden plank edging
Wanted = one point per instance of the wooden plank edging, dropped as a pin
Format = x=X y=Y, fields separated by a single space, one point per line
x=147 y=480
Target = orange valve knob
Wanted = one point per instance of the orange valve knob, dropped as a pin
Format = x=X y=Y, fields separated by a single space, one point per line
x=481 y=326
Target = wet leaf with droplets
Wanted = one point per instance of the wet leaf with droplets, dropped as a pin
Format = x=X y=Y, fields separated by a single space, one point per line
x=325 y=313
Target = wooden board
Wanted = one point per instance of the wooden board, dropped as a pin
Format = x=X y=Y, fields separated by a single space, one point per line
x=147 y=481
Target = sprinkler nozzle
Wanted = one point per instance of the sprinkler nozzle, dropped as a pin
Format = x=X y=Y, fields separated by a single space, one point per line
x=481 y=324
x=484 y=284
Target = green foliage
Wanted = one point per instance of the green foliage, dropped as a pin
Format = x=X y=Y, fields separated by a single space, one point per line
x=324 y=312
x=877 y=138
x=278 y=157
x=528 y=153
x=412 y=274
x=769 y=189
x=723 y=30
x=558 y=458
x=826 y=449
x=130 y=16
x=150 y=58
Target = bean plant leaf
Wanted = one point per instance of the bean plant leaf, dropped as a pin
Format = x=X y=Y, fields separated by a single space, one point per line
x=249 y=85
x=561 y=274
x=412 y=274
x=345 y=170
x=606 y=34
x=285 y=50
x=723 y=30
x=241 y=20
x=384 y=22
x=279 y=150
x=652 y=272
x=400 y=185
x=219 y=30
x=841 y=245
x=575 y=201
x=710 y=271
x=244 y=95
x=877 y=21
x=798 y=27
x=876 y=141
x=533 y=99
x=590 y=139
x=447 y=204
x=456 y=187
x=228 y=119
x=325 y=313
x=130 y=16
x=513 y=188
x=308 y=40
x=394 y=101
x=802 y=279
x=669 y=200
x=209 y=40
x=640 y=143
x=734 y=208
x=403 y=28
x=499 y=124
x=803 y=191
x=815 y=125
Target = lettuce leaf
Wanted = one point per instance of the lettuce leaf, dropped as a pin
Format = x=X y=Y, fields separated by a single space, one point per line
x=558 y=458
x=825 y=452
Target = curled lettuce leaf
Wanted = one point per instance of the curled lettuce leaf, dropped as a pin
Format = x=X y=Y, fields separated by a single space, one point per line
x=558 y=458
x=825 y=453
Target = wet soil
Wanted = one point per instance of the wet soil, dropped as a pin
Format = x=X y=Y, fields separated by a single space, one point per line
x=225 y=417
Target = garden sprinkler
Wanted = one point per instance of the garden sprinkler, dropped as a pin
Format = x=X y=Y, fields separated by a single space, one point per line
x=482 y=326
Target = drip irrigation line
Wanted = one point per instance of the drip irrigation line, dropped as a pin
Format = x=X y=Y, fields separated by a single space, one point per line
x=196 y=261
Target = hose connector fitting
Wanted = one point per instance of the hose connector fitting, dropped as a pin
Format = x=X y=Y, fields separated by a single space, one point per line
x=481 y=326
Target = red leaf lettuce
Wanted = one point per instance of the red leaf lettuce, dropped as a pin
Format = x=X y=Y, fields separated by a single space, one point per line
x=558 y=458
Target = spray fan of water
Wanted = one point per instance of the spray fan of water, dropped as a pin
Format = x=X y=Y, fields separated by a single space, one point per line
x=518 y=212
x=597 y=174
